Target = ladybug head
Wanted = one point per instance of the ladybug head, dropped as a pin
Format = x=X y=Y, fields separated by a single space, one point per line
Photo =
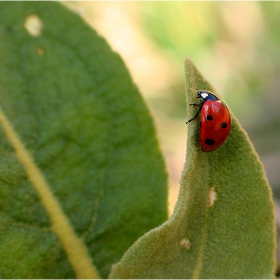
x=206 y=95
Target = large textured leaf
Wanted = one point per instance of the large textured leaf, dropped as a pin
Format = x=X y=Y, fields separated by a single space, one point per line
x=223 y=223
x=81 y=173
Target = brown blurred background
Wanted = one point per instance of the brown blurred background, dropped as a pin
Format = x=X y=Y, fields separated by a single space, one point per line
x=236 y=45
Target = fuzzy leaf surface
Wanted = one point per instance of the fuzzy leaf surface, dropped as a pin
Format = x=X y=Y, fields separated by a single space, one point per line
x=72 y=103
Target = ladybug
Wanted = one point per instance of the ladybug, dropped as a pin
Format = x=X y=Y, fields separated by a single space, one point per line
x=215 y=121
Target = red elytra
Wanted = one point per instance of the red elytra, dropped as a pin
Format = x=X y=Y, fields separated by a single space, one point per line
x=215 y=121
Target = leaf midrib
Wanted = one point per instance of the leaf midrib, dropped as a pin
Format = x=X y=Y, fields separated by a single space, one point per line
x=75 y=248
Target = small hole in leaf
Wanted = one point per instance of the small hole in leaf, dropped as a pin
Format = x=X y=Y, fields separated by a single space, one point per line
x=212 y=196
x=184 y=242
x=33 y=25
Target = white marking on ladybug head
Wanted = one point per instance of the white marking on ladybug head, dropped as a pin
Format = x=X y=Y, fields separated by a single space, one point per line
x=204 y=95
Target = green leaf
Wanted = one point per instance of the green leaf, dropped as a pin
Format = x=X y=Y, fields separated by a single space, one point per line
x=81 y=173
x=223 y=222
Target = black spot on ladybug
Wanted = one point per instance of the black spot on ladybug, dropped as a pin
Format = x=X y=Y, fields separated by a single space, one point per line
x=209 y=118
x=209 y=141
x=223 y=125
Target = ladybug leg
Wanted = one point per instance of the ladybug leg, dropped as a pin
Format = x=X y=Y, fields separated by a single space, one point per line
x=199 y=104
x=196 y=114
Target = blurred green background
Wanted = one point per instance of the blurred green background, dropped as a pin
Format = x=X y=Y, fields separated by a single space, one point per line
x=236 y=45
